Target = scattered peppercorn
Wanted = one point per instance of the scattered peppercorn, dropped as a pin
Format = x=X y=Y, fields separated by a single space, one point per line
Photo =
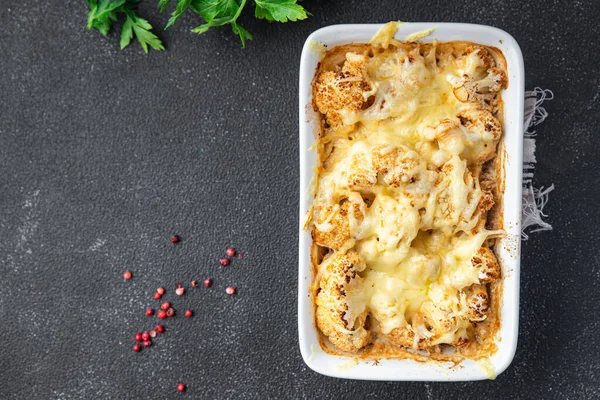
x=207 y=282
x=224 y=262
x=160 y=328
x=170 y=312
x=181 y=387
x=127 y=275
x=137 y=348
x=240 y=256
x=138 y=337
x=157 y=296
x=179 y=291
x=152 y=333
x=189 y=313
x=162 y=314
x=145 y=336
x=149 y=311
x=147 y=343
x=160 y=290
x=230 y=252
x=230 y=290
x=166 y=305
x=194 y=283
x=175 y=239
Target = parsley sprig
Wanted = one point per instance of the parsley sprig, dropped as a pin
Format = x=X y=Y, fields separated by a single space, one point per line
x=215 y=13
x=104 y=12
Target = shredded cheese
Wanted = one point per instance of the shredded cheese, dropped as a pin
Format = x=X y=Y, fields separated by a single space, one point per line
x=419 y=35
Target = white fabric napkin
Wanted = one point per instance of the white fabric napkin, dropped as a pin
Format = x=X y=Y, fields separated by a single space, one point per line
x=534 y=199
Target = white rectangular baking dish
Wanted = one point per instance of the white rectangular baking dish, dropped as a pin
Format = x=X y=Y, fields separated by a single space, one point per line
x=508 y=248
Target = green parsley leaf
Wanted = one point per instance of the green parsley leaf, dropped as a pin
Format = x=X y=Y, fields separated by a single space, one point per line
x=219 y=13
x=126 y=33
x=141 y=28
x=279 y=10
x=163 y=4
x=241 y=32
x=202 y=28
x=102 y=14
x=181 y=7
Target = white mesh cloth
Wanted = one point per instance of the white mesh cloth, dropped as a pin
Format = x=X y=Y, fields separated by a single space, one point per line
x=534 y=199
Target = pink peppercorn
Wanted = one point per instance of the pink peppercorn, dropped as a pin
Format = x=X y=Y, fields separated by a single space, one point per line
x=230 y=290
x=224 y=262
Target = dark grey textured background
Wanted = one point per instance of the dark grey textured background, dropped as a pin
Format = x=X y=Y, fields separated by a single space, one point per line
x=105 y=153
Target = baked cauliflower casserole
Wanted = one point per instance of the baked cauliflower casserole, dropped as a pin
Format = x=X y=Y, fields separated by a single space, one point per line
x=407 y=186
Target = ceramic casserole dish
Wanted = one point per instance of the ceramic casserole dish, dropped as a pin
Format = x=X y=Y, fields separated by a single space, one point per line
x=507 y=248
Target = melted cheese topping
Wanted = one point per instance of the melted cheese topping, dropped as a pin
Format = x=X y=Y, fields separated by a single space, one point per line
x=399 y=184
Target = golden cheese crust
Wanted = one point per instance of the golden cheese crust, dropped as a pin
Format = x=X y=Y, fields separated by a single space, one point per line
x=405 y=210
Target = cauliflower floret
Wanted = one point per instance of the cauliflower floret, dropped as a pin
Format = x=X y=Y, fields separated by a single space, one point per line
x=431 y=325
x=484 y=131
x=405 y=337
x=478 y=80
x=436 y=319
x=451 y=140
x=473 y=136
x=405 y=71
x=476 y=61
x=487 y=264
x=334 y=224
x=398 y=165
x=343 y=92
x=458 y=199
x=482 y=91
x=342 y=322
x=400 y=77
x=474 y=302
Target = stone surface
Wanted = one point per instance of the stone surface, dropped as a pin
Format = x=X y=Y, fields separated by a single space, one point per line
x=104 y=154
